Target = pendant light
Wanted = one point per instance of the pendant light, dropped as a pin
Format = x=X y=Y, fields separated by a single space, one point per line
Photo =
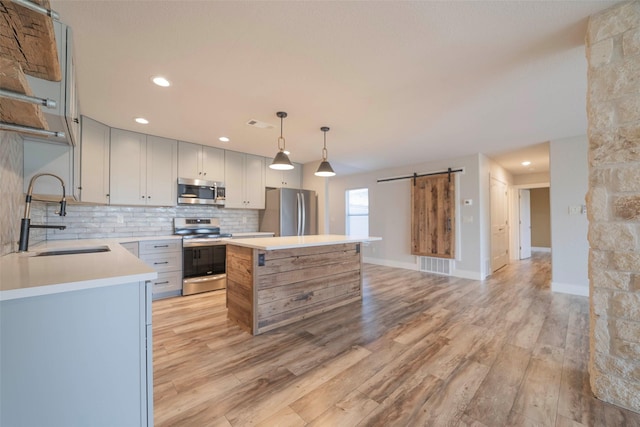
x=325 y=168
x=281 y=161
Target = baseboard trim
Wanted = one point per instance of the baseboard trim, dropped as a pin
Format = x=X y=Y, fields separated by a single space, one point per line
x=465 y=274
x=388 y=263
x=568 y=288
x=462 y=274
x=540 y=249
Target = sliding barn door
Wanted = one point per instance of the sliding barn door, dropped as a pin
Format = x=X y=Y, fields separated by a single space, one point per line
x=433 y=216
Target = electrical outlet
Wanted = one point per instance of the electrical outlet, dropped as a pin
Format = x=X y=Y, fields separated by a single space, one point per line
x=244 y=219
x=575 y=210
x=120 y=219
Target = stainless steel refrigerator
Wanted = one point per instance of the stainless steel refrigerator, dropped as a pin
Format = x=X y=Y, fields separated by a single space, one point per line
x=290 y=212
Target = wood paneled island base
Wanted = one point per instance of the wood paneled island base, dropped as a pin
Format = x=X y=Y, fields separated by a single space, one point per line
x=269 y=288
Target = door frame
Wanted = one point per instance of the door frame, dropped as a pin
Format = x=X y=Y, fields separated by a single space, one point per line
x=508 y=225
x=514 y=241
x=524 y=250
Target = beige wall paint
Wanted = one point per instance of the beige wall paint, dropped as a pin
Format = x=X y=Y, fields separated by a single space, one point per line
x=540 y=218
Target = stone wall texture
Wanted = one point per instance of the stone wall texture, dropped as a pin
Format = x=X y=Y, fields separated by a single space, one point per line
x=613 y=201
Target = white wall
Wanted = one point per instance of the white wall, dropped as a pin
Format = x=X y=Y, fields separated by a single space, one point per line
x=569 y=182
x=390 y=214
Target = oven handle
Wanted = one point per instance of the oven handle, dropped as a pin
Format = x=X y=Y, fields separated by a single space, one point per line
x=204 y=278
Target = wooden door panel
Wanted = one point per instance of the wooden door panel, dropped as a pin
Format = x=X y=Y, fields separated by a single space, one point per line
x=432 y=217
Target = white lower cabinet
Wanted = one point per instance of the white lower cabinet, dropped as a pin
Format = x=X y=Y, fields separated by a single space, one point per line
x=77 y=358
x=165 y=257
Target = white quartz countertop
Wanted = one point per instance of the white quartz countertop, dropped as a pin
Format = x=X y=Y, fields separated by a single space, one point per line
x=25 y=275
x=254 y=234
x=289 y=242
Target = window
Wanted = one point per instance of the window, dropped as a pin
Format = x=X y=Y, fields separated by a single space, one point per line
x=358 y=212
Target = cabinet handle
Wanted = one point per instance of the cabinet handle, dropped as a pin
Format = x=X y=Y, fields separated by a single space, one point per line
x=205 y=173
x=142 y=197
x=161 y=283
x=157 y=263
x=160 y=246
x=199 y=173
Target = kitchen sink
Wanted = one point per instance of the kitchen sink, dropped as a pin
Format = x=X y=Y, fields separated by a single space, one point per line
x=74 y=251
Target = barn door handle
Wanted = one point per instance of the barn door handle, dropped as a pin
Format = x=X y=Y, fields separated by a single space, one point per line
x=448 y=225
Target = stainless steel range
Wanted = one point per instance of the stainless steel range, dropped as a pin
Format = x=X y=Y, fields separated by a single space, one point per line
x=204 y=254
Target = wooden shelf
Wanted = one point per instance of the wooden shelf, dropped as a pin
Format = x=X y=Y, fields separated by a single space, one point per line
x=18 y=112
x=28 y=38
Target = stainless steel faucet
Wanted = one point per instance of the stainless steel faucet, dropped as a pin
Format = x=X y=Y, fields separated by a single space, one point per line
x=25 y=224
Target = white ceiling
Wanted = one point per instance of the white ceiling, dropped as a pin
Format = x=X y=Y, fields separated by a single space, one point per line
x=397 y=82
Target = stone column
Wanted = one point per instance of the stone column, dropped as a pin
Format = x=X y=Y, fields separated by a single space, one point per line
x=613 y=203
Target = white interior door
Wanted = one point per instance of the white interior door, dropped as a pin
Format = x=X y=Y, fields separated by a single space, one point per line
x=499 y=225
x=525 y=223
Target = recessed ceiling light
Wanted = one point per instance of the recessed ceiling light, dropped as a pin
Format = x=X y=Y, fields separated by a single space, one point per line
x=142 y=120
x=161 y=81
x=224 y=139
x=526 y=163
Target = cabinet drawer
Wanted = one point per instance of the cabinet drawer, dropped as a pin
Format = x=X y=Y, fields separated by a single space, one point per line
x=163 y=262
x=167 y=282
x=159 y=246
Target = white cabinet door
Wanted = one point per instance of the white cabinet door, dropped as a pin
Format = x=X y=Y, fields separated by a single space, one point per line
x=286 y=179
x=213 y=163
x=189 y=160
x=94 y=164
x=162 y=171
x=254 y=181
x=273 y=177
x=234 y=179
x=293 y=178
x=63 y=117
x=128 y=168
x=143 y=169
x=90 y=346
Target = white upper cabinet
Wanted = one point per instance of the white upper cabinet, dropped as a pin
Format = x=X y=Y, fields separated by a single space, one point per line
x=58 y=159
x=143 y=169
x=244 y=181
x=94 y=162
x=65 y=116
x=200 y=162
x=285 y=179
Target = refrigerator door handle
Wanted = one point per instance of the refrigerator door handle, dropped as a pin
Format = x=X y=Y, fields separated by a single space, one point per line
x=299 y=213
x=304 y=216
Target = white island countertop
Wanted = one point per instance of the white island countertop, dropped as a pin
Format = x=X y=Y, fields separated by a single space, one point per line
x=26 y=275
x=290 y=242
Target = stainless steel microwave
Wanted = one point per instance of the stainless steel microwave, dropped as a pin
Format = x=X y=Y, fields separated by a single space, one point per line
x=200 y=192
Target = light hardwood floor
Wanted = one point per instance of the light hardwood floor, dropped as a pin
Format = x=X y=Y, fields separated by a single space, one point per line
x=418 y=350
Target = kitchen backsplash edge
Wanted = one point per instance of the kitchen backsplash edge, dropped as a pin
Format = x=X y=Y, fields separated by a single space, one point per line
x=98 y=222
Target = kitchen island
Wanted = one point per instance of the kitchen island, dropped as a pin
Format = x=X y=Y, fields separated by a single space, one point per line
x=275 y=281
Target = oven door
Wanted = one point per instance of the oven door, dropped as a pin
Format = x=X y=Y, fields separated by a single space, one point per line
x=204 y=268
